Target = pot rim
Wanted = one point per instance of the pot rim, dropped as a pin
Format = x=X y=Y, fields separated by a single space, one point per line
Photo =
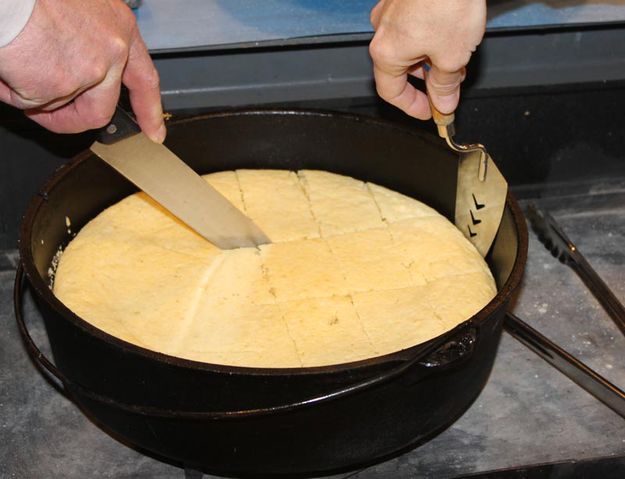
x=42 y=289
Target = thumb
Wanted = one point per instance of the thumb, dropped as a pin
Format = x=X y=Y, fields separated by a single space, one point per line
x=5 y=93
x=444 y=88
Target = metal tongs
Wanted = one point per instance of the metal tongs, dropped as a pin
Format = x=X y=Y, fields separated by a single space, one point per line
x=555 y=240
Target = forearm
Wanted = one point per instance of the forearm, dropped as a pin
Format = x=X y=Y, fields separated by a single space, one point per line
x=14 y=15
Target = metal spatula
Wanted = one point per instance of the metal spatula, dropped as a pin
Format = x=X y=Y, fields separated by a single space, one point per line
x=481 y=189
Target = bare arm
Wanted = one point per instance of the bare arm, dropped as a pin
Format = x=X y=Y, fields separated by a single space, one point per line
x=408 y=32
x=66 y=67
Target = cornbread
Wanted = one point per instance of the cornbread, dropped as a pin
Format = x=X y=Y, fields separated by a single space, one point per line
x=354 y=271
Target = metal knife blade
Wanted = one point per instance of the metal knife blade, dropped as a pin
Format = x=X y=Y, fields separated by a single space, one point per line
x=173 y=184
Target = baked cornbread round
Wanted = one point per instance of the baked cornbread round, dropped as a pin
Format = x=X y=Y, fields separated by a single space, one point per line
x=354 y=271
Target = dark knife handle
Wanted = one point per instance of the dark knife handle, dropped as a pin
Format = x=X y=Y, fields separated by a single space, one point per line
x=599 y=289
x=578 y=372
x=121 y=126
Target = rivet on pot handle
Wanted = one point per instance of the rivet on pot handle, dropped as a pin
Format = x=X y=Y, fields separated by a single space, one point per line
x=453 y=350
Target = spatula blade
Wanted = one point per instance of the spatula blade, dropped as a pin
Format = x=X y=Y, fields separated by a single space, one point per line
x=173 y=184
x=479 y=202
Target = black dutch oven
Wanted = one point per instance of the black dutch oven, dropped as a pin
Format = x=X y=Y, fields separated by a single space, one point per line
x=234 y=420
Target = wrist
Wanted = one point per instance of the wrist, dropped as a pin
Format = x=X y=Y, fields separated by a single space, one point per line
x=14 y=15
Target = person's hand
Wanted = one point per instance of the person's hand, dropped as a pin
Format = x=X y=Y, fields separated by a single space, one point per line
x=66 y=67
x=410 y=32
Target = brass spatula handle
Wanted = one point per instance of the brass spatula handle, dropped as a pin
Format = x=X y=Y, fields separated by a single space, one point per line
x=446 y=129
x=444 y=121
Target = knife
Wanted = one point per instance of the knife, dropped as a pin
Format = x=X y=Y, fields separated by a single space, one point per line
x=172 y=183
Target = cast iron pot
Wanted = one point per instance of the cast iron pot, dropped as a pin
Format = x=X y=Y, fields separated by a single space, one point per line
x=234 y=420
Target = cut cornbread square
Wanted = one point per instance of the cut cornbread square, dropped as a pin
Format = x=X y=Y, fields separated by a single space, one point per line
x=226 y=183
x=340 y=204
x=415 y=241
x=454 y=264
x=435 y=225
x=228 y=332
x=409 y=318
x=455 y=299
x=326 y=330
x=395 y=207
x=438 y=227
x=276 y=202
x=420 y=249
x=369 y=260
x=302 y=269
x=431 y=254
x=239 y=274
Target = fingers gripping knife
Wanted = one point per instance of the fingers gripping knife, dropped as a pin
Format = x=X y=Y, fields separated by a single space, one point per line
x=481 y=189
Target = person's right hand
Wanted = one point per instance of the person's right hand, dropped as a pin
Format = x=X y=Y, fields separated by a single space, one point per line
x=411 y=32
x=66 y=67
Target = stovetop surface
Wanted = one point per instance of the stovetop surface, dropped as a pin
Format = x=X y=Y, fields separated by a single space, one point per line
x=528 y=413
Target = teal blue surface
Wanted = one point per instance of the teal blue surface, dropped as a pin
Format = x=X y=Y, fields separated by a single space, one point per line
x=532 y=13
x=171 y=24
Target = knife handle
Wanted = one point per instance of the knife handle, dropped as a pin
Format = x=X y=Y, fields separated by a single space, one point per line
x=121 y=126
x=444 y=121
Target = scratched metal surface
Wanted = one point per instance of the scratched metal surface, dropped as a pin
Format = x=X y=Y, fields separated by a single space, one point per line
x=528 y=413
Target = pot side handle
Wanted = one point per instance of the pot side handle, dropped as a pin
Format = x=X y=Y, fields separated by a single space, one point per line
x=41 y=361
x=460 y=346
